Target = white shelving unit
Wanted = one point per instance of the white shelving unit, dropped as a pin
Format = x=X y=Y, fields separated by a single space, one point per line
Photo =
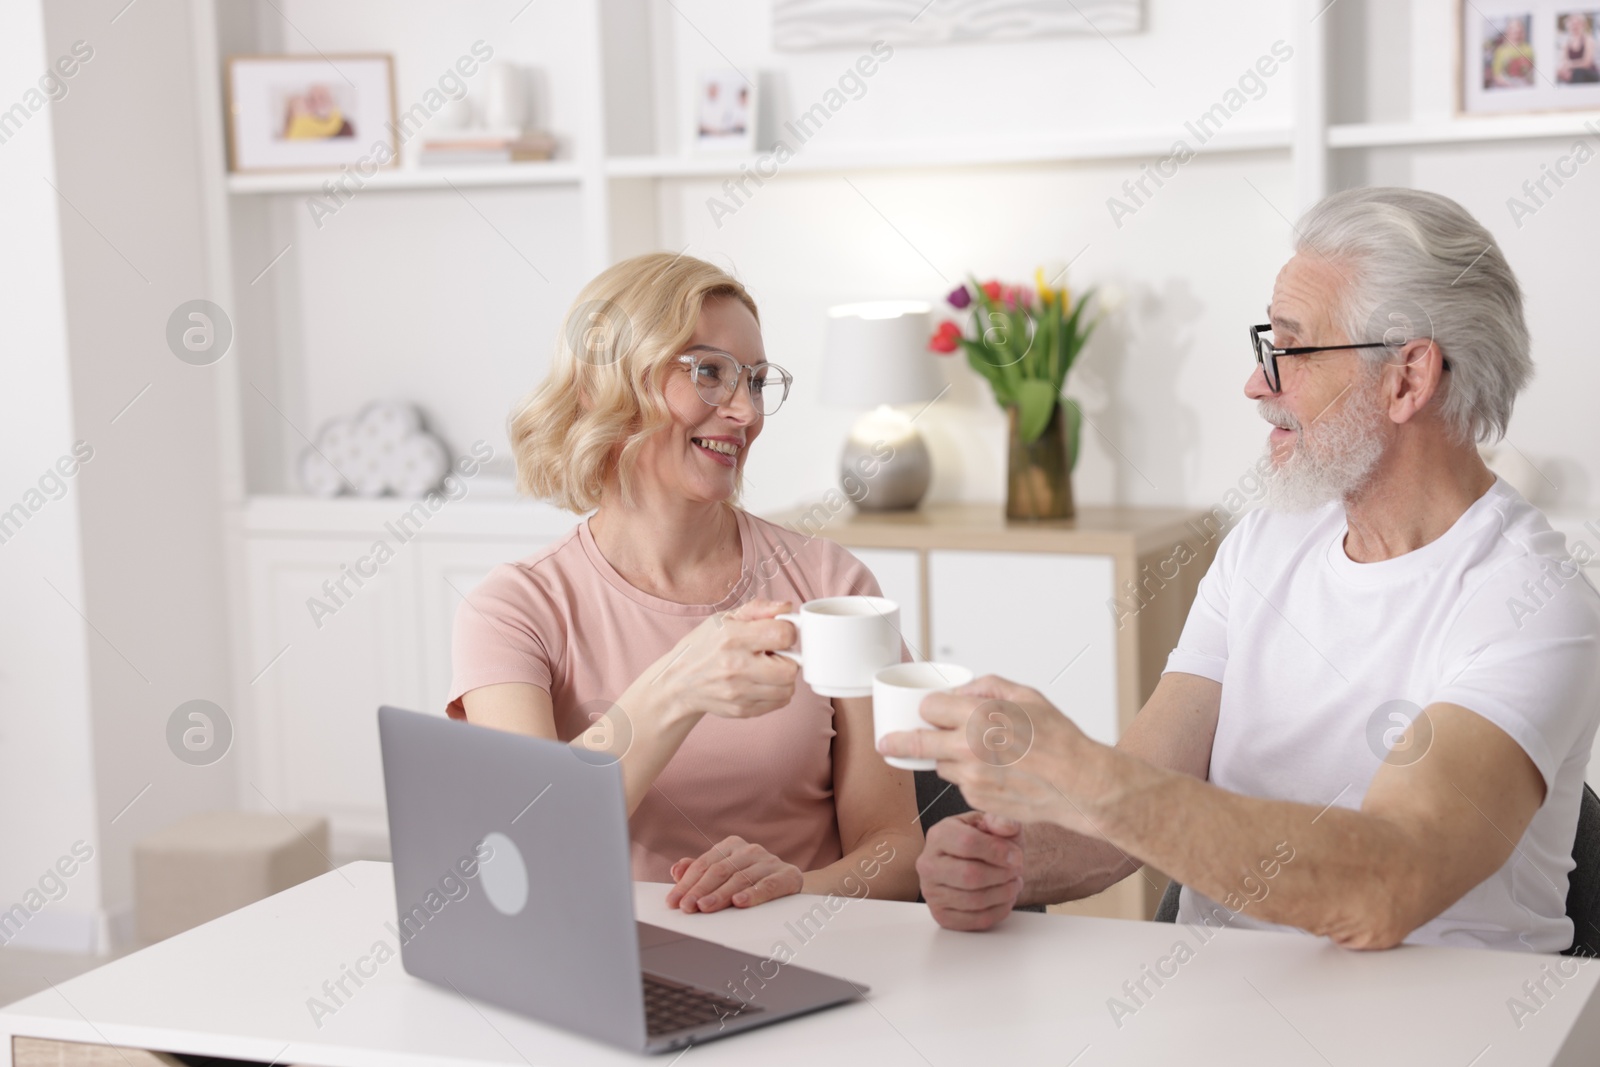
x=947 y=154
x=1485 y=129
x=612 y=192
x=553 y=173
x=609 y=194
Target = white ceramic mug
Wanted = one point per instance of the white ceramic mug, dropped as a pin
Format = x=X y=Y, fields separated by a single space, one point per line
x=897 y=694
x=843 y=642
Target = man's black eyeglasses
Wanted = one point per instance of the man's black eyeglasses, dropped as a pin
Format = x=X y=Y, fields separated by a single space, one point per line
x=1267 y=353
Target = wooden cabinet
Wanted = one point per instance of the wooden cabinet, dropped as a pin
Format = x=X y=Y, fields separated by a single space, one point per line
x=1084 y=610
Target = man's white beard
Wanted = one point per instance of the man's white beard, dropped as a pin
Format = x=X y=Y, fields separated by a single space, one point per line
x=1331 y=461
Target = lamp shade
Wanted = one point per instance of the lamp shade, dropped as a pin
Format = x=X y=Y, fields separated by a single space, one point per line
x=877 y=353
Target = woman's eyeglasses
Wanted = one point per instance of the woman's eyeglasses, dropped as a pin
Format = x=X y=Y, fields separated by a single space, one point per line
x=716 y=375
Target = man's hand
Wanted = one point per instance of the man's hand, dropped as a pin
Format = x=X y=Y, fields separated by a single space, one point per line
x=971 y=870
x=1009 y=749
x=734 y=872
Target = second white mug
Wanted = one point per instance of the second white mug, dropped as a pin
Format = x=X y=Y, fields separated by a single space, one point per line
x=897 y=694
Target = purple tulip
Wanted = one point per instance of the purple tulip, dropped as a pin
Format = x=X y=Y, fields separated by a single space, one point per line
x=959 y=297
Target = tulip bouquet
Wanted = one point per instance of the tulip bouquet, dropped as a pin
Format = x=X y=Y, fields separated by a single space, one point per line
x=1023 y=341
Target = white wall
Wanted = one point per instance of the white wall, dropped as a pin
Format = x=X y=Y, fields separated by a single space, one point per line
x=1553 y=424
x=47 y=788
x=414 y=296
x=450 y=301
x=1401 y=65
x=149 y=503
x=1162 y=382
x=1016 y=90
x=1164 y=400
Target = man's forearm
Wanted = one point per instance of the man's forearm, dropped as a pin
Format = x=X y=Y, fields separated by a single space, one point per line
x=1060 y=865
x=1335 y=872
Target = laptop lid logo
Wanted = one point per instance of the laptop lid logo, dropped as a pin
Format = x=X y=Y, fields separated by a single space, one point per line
x=504 y=876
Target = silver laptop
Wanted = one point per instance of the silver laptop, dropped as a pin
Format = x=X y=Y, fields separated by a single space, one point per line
x=512 y=885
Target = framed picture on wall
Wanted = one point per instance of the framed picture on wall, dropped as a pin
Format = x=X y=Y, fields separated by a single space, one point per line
x=310 y=112
x=1529 y=55
x=722 y=116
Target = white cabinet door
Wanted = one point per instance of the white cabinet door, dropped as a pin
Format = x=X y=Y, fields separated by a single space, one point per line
x=446 y=572
x=328 y=656
x=1036 y=618
x=899 y=574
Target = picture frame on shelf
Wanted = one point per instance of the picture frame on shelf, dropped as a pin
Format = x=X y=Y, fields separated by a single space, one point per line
x=723 y=109
x=1521 y=56
x=300 y=113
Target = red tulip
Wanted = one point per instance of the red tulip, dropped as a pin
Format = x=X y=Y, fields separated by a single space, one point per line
x=946 y=339
x=991 y=289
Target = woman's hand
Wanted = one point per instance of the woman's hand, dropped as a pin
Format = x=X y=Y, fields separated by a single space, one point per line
x=734 y=872
x=723 y=666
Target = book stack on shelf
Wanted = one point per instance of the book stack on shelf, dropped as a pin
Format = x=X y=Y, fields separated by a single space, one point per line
x=471 y=148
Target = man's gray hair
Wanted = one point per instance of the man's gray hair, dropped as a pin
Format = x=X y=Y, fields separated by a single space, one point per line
x=1416 y=264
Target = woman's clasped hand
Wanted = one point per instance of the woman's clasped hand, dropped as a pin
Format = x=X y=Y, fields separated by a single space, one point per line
x=734 y=871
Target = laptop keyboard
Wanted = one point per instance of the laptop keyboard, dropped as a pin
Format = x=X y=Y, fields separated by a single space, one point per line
x=670 y=1006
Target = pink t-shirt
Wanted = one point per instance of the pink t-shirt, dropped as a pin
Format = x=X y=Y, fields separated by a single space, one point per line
x=564 y=620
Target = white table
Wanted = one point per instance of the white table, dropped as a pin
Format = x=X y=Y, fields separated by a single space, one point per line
x=1034 y=990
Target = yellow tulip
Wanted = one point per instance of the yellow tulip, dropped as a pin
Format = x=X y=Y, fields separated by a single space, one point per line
x=1045 y=293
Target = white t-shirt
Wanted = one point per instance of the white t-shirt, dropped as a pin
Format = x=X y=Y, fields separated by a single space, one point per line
x=1312 y=649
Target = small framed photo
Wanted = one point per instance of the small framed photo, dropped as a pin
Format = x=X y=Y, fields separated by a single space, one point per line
x=723 y=116
x=310 y=112
x=1529 y=55
x=1576 y=55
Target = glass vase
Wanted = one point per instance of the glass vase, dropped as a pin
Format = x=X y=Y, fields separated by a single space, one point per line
x=1039 y=473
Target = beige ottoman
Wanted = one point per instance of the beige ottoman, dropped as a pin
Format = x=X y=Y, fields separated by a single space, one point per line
x=208 y=865
x=33 y=1052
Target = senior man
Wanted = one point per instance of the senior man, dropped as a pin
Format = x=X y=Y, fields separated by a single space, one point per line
x=1391 y=580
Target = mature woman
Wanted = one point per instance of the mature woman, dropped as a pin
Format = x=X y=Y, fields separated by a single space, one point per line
x=637 y=634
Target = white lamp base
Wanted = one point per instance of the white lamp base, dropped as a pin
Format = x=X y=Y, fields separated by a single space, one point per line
x=886 y=465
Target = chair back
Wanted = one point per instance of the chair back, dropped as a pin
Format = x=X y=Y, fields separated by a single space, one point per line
x=1167 y=910
x=937 y=799
x=1583 y=884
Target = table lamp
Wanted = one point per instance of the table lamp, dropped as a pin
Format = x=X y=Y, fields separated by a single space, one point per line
x=876 y=357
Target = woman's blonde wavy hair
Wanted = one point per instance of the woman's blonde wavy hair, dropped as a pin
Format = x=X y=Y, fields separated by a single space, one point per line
x=603 y=398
